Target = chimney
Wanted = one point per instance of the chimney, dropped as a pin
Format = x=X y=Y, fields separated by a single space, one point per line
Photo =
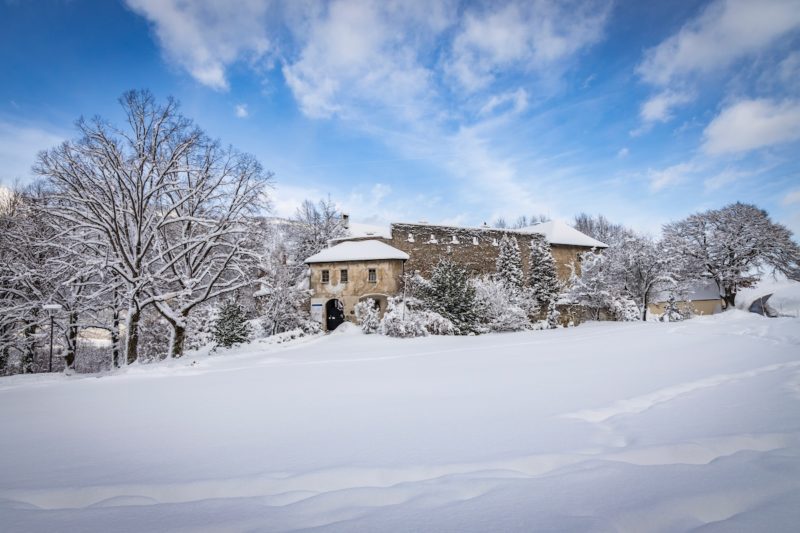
x=345 y=221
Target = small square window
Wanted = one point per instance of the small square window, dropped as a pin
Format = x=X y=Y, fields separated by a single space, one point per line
x=326 y=276
x=343 y=275
x=373 y=275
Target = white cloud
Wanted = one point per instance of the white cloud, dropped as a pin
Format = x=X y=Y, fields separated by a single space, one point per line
x=241 y=111
x=751 y=124
x=658 y=108
x=670 y=176
x=623 y=152
x=724 y=32
x=791 y=197
x=19 y=145
x=206 y=36
x=521 y=36
x=341 y=71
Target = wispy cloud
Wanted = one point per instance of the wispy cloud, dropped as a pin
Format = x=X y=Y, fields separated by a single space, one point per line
x=791 y=198
x=723 y=33
x=204 y=37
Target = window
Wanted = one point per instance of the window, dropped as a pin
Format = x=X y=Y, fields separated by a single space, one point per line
x=372 y=275
x=343 y=275
x=326 y=276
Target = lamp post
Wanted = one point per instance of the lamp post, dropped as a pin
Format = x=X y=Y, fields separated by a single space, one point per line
x=51 y=309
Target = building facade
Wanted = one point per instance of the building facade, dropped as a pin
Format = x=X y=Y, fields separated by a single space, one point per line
x=370 y=263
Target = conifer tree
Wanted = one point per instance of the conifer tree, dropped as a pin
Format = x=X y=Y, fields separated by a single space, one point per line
x=231 y=327
x=451 y=294
x=542 y=276
x=509 y=262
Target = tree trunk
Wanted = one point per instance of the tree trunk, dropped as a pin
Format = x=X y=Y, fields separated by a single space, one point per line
x=29 y=355
x=177 y=341
x=72 y=340
x=115 y=330
x=132 y=341
x=115 y=339
x=729 y=300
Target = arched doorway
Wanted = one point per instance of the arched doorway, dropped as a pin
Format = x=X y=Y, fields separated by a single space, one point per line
x=381 y=301
x=334 y=314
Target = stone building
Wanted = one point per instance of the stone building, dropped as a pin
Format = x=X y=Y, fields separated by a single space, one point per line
x=349 y=272
x=417 y=248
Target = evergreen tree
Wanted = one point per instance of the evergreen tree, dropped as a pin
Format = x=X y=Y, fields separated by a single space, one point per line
x=543 y=279
x=231 y=327
x=509 y=262
x=451 y=294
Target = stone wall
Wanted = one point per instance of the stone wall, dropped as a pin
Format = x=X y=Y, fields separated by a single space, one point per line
x=475 y=249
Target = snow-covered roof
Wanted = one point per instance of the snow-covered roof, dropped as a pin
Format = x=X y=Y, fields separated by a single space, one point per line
x=357 y=251
x=356 y=230
x=558 y=232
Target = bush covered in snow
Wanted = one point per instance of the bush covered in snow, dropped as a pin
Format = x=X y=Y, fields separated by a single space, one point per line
x=624 y=309
x=367 y=315
x=410 y=319
x=501 y=305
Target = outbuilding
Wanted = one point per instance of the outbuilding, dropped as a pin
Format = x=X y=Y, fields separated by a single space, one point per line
x=352 y=271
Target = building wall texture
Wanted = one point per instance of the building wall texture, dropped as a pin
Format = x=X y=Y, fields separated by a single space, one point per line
x=475 y=249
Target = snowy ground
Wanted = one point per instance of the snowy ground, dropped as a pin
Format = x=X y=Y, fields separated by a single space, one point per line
x=604 y=427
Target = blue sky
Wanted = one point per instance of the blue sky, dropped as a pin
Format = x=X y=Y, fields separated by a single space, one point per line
x=454 y=112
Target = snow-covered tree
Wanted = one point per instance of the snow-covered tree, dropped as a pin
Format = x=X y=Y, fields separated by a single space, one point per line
x=593 y=289
x=157 y=204
x=450 y=294
x=367 y=315
x=640 y=269
x=731 y=246
x=542 y=276
x=313 y=226
x=231 y=326
x=509 y=262
x=553 y=315
x=500 y=305
x=672 y=311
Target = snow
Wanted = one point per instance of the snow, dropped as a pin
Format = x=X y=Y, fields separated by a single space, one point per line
x=784 y=299
x=689 y=426
x=559 y=232
x=359 y=230
x=357 y=251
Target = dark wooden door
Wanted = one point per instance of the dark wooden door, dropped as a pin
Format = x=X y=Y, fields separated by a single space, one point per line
x=334 y=314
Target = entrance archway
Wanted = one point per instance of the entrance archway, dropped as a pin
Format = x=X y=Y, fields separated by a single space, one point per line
x=334 y=314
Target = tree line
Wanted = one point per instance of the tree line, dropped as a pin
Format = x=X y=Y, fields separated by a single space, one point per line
x=147 y=229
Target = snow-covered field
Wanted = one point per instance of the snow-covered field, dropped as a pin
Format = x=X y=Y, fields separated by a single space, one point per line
x=604 y=427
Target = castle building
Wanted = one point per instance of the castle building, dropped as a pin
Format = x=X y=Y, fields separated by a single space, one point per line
x=371 y=262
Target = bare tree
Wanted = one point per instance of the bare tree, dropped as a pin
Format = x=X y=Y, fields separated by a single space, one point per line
x=202 y=249
x=731 y=246
x=600 y=228
x=129 y=195
x=313 y=227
